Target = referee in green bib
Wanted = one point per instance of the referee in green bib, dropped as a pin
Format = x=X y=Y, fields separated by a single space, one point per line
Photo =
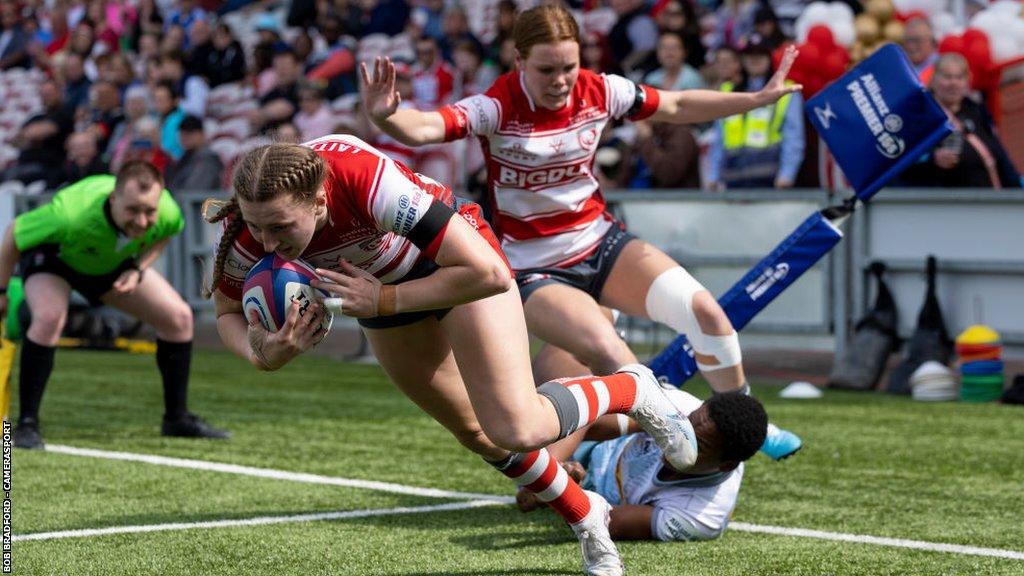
x=100 y=236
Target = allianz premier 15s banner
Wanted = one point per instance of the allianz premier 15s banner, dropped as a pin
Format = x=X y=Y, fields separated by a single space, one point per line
x=877 y=119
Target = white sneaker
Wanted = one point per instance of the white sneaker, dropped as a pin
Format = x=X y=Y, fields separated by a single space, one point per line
x=600 y=557
x=660 y=418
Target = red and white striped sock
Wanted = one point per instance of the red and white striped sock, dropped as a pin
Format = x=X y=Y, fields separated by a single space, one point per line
x=541 y=474
x=580 y=401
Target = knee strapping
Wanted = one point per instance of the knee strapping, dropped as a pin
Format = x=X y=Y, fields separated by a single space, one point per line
x=670 y=301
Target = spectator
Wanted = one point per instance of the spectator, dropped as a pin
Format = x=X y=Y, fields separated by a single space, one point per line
x=286 y=132
x=146 y=146
x=734 y=22
x=280 y=103
x=432 y=79
x=41 y=140
x=199 y=168
x=148 y=51
x=104 y=112
x=14 y=41
x=268 y=43
x=387 y=17
x=507 y=55
x=59 y=31
x=336 y=63
x=14 y=38
x=193 y=89
x=972 y=156
x=633 y=38
x=115 y=68
x=165 y=102
x=727 y=67
x=767 y=26
x=764 y=147
x=149 y=21
x=428 y=17
x=302 y=45
x=83 y=158
x=507 y=11
x=919 y=44
x=184 y=16
x=666 y=156
x=200 y=45
x=76 y=84
x=594 y=55
x=674 y=73
x=136 y=106
x=678 y=16
x=314 y=118
x=475 y=75
x=173 y=40
x=456 y=30
x=226 y=62
x=105 y=34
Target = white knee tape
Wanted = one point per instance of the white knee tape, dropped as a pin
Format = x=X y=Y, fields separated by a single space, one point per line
x=670 y=301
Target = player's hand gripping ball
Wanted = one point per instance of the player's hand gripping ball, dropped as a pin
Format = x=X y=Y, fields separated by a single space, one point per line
x=273 y=284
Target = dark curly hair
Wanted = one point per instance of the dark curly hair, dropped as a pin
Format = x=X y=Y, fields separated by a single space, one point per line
x=741 y=422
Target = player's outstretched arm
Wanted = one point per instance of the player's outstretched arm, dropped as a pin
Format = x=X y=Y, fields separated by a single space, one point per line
x=696 y=106
x=380 y=102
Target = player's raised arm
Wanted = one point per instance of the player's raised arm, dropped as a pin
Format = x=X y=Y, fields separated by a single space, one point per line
x=380 y=102
x=696 y=106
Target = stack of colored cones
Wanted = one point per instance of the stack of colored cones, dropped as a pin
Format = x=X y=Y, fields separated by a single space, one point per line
x=981 y=366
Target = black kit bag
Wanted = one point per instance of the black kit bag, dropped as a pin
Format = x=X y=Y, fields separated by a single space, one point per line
x=874 y=338
x=930 y=340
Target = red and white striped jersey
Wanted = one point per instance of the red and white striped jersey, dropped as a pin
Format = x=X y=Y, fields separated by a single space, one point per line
x=548 y=208
x=373 y=203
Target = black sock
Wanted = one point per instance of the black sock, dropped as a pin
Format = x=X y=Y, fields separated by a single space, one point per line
x=174 y=359
x=36 y=365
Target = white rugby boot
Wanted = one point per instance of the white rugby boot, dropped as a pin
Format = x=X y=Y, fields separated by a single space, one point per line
x=600 y=556
x=660 y=418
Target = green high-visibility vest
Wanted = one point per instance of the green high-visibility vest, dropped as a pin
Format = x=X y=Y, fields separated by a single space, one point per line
x=758 y=129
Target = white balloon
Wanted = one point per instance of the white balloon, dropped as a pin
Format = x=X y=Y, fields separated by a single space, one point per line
x=992 y=23
x=1004 y=47
x=816 y=13
x=844 y=33
x=841 y=12
x=1005 y=7
x=932 y=7
x=944 y=24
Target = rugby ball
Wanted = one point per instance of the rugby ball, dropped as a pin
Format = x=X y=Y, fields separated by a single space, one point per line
x=273 y=284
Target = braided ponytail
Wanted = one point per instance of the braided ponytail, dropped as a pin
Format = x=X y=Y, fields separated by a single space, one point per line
x=226 y=211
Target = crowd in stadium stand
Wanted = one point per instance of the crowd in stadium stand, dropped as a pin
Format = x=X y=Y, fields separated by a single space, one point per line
x=191 y=84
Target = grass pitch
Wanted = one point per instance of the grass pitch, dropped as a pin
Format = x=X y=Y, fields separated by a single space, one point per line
x=872 y=465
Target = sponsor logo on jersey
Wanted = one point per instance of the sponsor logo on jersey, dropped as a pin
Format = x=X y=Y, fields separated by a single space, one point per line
x=515 y=151
x=586 y=114
x=514 y=177
x=587 y=137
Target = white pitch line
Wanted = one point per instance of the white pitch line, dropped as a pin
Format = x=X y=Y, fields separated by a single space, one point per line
x=475 y=500
x=878 y=541
x=275 y=474
x=257 y=521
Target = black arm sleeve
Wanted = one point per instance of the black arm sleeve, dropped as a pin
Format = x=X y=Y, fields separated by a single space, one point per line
x=432 y=223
